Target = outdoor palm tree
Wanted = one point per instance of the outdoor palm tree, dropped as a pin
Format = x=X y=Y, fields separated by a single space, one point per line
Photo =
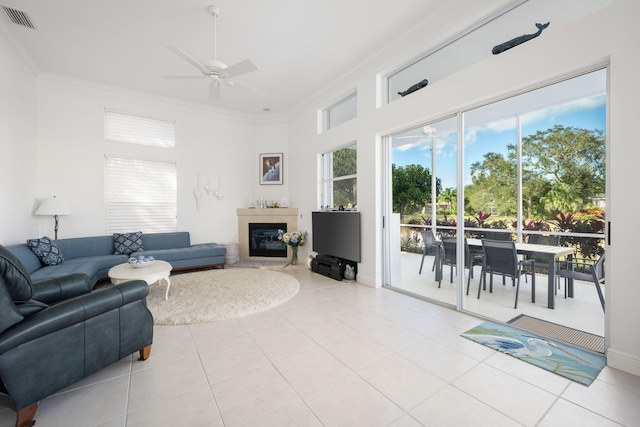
x=449 y=196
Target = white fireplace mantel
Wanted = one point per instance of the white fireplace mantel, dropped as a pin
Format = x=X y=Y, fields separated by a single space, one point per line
x=267 y=215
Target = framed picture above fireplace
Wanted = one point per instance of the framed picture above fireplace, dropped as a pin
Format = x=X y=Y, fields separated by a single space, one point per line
x=270 y=169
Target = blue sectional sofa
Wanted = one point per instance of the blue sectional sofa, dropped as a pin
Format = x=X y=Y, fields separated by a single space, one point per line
x=94 y=256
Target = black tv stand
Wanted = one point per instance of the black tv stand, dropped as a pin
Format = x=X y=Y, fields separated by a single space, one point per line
x=331 y=266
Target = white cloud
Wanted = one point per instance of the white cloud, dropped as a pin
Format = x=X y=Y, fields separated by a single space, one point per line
x=550 y=113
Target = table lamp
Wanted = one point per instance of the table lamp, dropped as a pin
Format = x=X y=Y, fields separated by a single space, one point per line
x=54 y=206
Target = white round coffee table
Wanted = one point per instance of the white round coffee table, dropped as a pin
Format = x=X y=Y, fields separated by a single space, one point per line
x=156 y=272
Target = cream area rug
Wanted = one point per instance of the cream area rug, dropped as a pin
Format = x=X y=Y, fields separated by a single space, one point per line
x=207 y=296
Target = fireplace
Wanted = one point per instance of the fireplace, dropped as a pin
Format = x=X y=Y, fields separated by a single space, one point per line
x=278 y=216
x=263 y=239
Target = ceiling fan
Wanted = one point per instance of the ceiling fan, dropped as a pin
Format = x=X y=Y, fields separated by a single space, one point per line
x=424 y=138
x=215 y=70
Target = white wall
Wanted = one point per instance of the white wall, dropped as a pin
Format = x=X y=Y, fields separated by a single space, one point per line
x=609 y=35
x=18 y=130
x=210 y=144
x=623 y=292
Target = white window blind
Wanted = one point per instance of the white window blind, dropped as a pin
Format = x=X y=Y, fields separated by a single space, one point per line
x=140 y=196
x=121 y=127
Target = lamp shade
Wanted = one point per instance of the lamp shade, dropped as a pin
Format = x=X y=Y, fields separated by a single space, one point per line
x=53 y=206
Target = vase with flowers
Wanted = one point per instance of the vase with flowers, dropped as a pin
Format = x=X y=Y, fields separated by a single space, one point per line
x=294 y=239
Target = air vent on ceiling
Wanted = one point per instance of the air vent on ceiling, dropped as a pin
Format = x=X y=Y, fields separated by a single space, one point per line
x=18 y=17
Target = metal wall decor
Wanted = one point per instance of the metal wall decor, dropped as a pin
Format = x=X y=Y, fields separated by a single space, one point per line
x=414 y=88
x=519 y=40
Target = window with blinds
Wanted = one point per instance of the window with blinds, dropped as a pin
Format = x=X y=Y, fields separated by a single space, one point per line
x=121 y=127
x=140 y=195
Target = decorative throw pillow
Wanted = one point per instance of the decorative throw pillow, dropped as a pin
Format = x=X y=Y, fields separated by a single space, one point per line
x=127 y=243
x=46 y=250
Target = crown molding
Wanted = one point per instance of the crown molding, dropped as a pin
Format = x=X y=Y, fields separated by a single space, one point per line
x=87 y=87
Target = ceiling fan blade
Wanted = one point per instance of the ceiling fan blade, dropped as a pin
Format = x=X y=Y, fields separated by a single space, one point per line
x=214 y=91
x=249 y=89
x=184 y=55
x=238 y=69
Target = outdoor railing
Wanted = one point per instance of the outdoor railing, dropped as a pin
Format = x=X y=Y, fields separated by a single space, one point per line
x=588 y=245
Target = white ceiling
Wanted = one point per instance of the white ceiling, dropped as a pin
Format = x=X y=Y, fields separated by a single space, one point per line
x=299 y=46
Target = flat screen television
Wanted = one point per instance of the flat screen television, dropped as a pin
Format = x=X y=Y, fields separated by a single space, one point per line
x=336 y=234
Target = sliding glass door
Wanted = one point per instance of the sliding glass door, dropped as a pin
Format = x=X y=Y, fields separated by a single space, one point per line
x=527 y=169
x=422 y=207
x=534 y=172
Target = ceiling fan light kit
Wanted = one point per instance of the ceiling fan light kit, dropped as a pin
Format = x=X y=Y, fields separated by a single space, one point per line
x=216 y=70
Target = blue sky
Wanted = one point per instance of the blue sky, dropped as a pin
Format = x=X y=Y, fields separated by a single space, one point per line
x=589 y=113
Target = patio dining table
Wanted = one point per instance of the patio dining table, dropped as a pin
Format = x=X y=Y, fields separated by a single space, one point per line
x=552 y=253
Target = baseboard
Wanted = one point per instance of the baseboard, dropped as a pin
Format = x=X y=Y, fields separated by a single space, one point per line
x=623 y=361
x=366 y=280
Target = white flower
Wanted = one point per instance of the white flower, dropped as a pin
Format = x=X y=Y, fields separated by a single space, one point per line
x=293 y=238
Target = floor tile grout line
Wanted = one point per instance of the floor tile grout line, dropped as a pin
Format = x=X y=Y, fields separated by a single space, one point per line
x=485 y=404
x=209 y=384
x=126 y=405
x=352 y=371
x=356 y=372
x=555 y=401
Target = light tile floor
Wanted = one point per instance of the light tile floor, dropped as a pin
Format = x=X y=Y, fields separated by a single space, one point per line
x=337 y=354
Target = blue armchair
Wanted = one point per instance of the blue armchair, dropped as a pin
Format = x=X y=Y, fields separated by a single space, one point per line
x=69 y=334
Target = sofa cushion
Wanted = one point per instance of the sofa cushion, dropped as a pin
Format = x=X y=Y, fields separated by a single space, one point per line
x=172 y=240
x=26 y=256
x=91 y=266
x=10 y=315
x=205 y=250
x=46 y=250
x=80 y=247
x=126 y=243
x=212 y=249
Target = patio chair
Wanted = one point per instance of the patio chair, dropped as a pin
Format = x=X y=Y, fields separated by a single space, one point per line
x=500 y=257
x=594 y=273
x=496 y=235
x=450 y=257
x=544 y=239
x=430 y=243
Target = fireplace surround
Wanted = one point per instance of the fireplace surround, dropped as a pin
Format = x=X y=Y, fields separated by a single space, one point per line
x=288 y=216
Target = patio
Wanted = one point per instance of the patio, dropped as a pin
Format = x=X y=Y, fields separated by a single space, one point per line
x=583 y=312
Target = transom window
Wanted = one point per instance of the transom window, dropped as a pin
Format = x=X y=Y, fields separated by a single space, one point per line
x=342 y=111
x=123 y=127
